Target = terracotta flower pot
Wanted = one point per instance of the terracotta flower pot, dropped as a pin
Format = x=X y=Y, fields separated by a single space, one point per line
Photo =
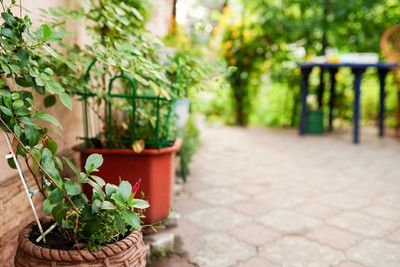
x=128 y=252
x=154 y=166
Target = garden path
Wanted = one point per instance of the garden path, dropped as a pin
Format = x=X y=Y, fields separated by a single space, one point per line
x=266 y=197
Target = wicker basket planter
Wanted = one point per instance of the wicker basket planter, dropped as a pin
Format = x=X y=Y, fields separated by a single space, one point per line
x=128 y=252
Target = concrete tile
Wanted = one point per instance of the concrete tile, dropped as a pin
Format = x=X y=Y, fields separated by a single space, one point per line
x=289 y=222
x=342 y=201
x=217 y=219
x=372 y=252
x=362 y=224
x=298 y=251
x=219 y=196
x=317 y=210
x=255 y=234
x=334 y=237
x=257 y=262
x=219 y=250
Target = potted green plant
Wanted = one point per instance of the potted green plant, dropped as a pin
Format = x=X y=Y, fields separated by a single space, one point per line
x=127 y=93
x=102 y=231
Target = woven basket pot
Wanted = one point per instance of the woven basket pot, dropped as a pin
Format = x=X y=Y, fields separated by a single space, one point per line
x=128 y=252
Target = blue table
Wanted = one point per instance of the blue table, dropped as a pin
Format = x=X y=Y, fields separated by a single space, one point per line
x=358 y=70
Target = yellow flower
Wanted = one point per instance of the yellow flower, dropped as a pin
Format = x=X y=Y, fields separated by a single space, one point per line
x=228 y=44
x=232 y=61
x=235 y=34
x=246 y=33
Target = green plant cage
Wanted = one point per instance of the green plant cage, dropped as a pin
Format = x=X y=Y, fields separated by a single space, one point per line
x=161 y=139
x=315 y=122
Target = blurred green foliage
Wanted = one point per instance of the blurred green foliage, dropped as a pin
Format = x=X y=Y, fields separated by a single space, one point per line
x=265 y=38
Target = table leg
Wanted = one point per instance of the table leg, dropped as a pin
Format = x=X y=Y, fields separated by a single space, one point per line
x=358 y=72
x=382 y=75
x=304 y=92
x=332 y=75
x=321 y=88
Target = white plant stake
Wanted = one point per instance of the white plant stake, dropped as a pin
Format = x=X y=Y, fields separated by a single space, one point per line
x=29 y=193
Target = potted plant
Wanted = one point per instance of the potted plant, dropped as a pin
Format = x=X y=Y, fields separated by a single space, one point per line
x=127 y=93
x=102 y=231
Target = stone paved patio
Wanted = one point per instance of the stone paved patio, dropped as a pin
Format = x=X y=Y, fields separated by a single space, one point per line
x=266 y=197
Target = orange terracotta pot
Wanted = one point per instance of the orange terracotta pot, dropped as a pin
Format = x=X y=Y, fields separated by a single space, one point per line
x=154 y=166
x=129 y=251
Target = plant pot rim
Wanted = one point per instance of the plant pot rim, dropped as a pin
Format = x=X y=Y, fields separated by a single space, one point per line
x=75 y=255
x=111 y=151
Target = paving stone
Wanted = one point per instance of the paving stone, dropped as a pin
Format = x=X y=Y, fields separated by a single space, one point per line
x=372 y=252
x=188 y=204
x=317 y=210
x=289 y=221
x=257 y=262
x=298 y=251
x=334 y=237
x=219 y=196
x=395 y=236
x=382 y=211
x=251 y=207
x=219 y=250
x=349 y=264
x=362 y=224
x=392 y=200
x=249 y=189
x=280 y=199
x=255 y=234
x=217 y=219
x=220 y=180
x=342 y=201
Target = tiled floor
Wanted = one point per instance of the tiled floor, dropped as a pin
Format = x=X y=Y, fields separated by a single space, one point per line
x=266 y=197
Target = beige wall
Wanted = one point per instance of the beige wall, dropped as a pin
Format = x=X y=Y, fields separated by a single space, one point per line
x=15 y=211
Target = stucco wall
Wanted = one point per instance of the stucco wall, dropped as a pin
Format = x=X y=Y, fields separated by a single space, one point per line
x=15 y=211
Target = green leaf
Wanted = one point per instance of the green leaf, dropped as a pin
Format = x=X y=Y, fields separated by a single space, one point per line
x=71 y=165
x=91 y=226
x=56 y=196
x=93 y=162
x=36 y=154
x=49 y=101
x=6 y=111
x=87 y=212
x=79 y=200
x=11 y=163
x=32 y=135
x=46 y=117
x=23 y=82
x=47 y=206
x=23 y=55
x=52 y=145
x=9 y=33
x=9 y=19
x=118 y=198
x=66 y=100
x=59 y=212
x=18 y=104
x=5 y=68
x=26 y=121
x=120 y=224
x=44 y=32
x=131 y=218
x=53 y=87
x=110 y=189
x=72 y=188
x=59 y=164
x=17 y=130
x=98 y=180
x=96 y=205
x=15 y=96
x=125 y=189
x=138 y=204
x=107 y=205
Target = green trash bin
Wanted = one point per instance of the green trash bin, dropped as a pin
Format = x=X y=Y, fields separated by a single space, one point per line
x=315 y=122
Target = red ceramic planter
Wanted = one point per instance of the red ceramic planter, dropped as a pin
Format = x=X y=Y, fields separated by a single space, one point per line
x=154 y=166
